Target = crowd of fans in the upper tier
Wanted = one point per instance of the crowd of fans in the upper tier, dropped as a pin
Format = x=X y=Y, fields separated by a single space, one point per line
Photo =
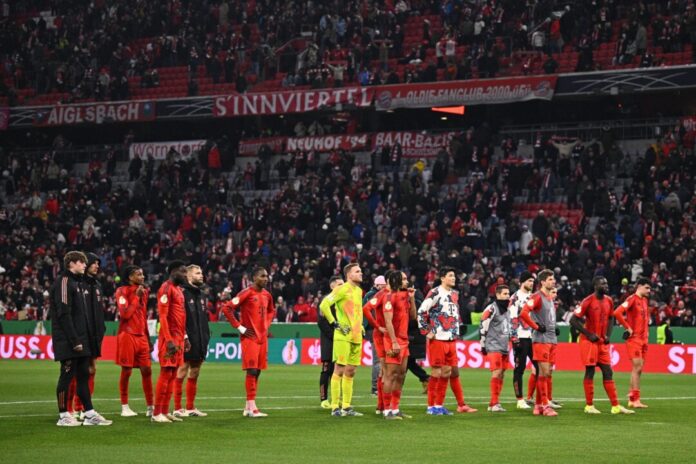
x=101 y=49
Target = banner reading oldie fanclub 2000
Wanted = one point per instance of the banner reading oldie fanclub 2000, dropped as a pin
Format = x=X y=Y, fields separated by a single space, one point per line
x=474 y=92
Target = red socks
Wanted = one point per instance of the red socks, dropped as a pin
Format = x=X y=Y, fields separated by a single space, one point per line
x=191 y=388
x=395 y=400
x=549 y=387
x=456 y=386
x=634 y=395
x=123 y=384
x=441 y=391
x=542 y=386
x=387 y=398
x=164 y=389
x=380 y=394
x=432 y=387
x=178 y=393
x=251 y=384
x=496 y=388
x=610 y=388
x=531 y=385
x=588 y=385
x=147 y=388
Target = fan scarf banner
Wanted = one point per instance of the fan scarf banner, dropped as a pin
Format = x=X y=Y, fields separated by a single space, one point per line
x=475 y=92
x=413 y=144
x=95 y=113
x=159 y=150
x=303 y=101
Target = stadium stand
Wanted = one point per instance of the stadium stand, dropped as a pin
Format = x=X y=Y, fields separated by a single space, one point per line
x=84 y=51
x=490 y=205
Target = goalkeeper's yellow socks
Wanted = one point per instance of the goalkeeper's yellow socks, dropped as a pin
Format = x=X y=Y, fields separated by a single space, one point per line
x=335 y=390
x=347 y=386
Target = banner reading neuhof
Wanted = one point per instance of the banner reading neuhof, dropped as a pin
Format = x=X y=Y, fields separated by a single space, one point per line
x=250 y=104
x=95 y=113
x=476 y=92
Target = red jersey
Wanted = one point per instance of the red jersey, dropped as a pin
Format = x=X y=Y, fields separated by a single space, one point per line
x=376 y=304
x=172 y=314
x=637 y=309
x=596 y=312
x=257 y=311
x=399 y=304
x=132 y=310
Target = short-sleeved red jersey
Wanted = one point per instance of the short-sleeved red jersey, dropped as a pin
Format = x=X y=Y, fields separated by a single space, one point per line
x=636 y=308
x=597 y=312
x=398 y=303
x=376 y=304
x=256 y=311
x=132 y=310
x=172 y=314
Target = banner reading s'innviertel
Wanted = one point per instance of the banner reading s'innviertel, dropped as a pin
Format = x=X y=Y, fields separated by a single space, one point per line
x=291 y=101
x=474 y=92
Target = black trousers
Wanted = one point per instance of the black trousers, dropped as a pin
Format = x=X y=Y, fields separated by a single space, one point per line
x=70 y=368
x=417 y=370
x=521 y=352
x=327 y=368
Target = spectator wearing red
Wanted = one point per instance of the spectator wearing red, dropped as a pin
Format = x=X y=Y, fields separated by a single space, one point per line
x=303 y=312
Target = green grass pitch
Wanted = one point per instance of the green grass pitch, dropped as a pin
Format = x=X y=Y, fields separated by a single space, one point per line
x=299 y=431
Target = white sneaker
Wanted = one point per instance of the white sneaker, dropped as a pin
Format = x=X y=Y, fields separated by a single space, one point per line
x=96 y=419
x=79 y=415
x=179 y=413
x=126 y=411
x=554 y=405
x=522 y=404
x=254 y=413
x=195 y=412
x=150 y=410
x=173 y=418
x=496 y=408
x=68 y=421
x=161 y=418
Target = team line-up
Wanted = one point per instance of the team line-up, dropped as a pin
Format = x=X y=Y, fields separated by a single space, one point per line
x=525 y=320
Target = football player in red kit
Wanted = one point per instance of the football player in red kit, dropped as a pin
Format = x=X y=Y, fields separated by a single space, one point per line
x=172 y=339
x=133 y=340
x=257 y=310
x=636 y=325
x=596 y=312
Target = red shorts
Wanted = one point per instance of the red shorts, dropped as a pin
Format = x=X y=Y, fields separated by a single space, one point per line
x=254 y=354
x=637 y=349
x=498 y=360
x=442 y=353
x=378 y=342
x=399 y=358
x=132 y=350
x=592 y=354
x=175 y=360
x=544 y=352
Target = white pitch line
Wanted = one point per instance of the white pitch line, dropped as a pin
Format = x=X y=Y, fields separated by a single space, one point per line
x=296 y=397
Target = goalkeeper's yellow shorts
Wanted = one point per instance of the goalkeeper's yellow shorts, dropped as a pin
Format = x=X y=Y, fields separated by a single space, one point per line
x=347 y=353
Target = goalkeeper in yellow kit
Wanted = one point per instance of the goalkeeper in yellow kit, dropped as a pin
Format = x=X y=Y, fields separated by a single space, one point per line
x=348 y=336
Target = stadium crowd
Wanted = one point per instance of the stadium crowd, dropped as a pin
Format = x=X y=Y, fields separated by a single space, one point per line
x=90 y=49
x=322 y=212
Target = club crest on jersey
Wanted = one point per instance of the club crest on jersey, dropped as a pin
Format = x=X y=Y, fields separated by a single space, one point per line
x=121 y=300
x=164 y=299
